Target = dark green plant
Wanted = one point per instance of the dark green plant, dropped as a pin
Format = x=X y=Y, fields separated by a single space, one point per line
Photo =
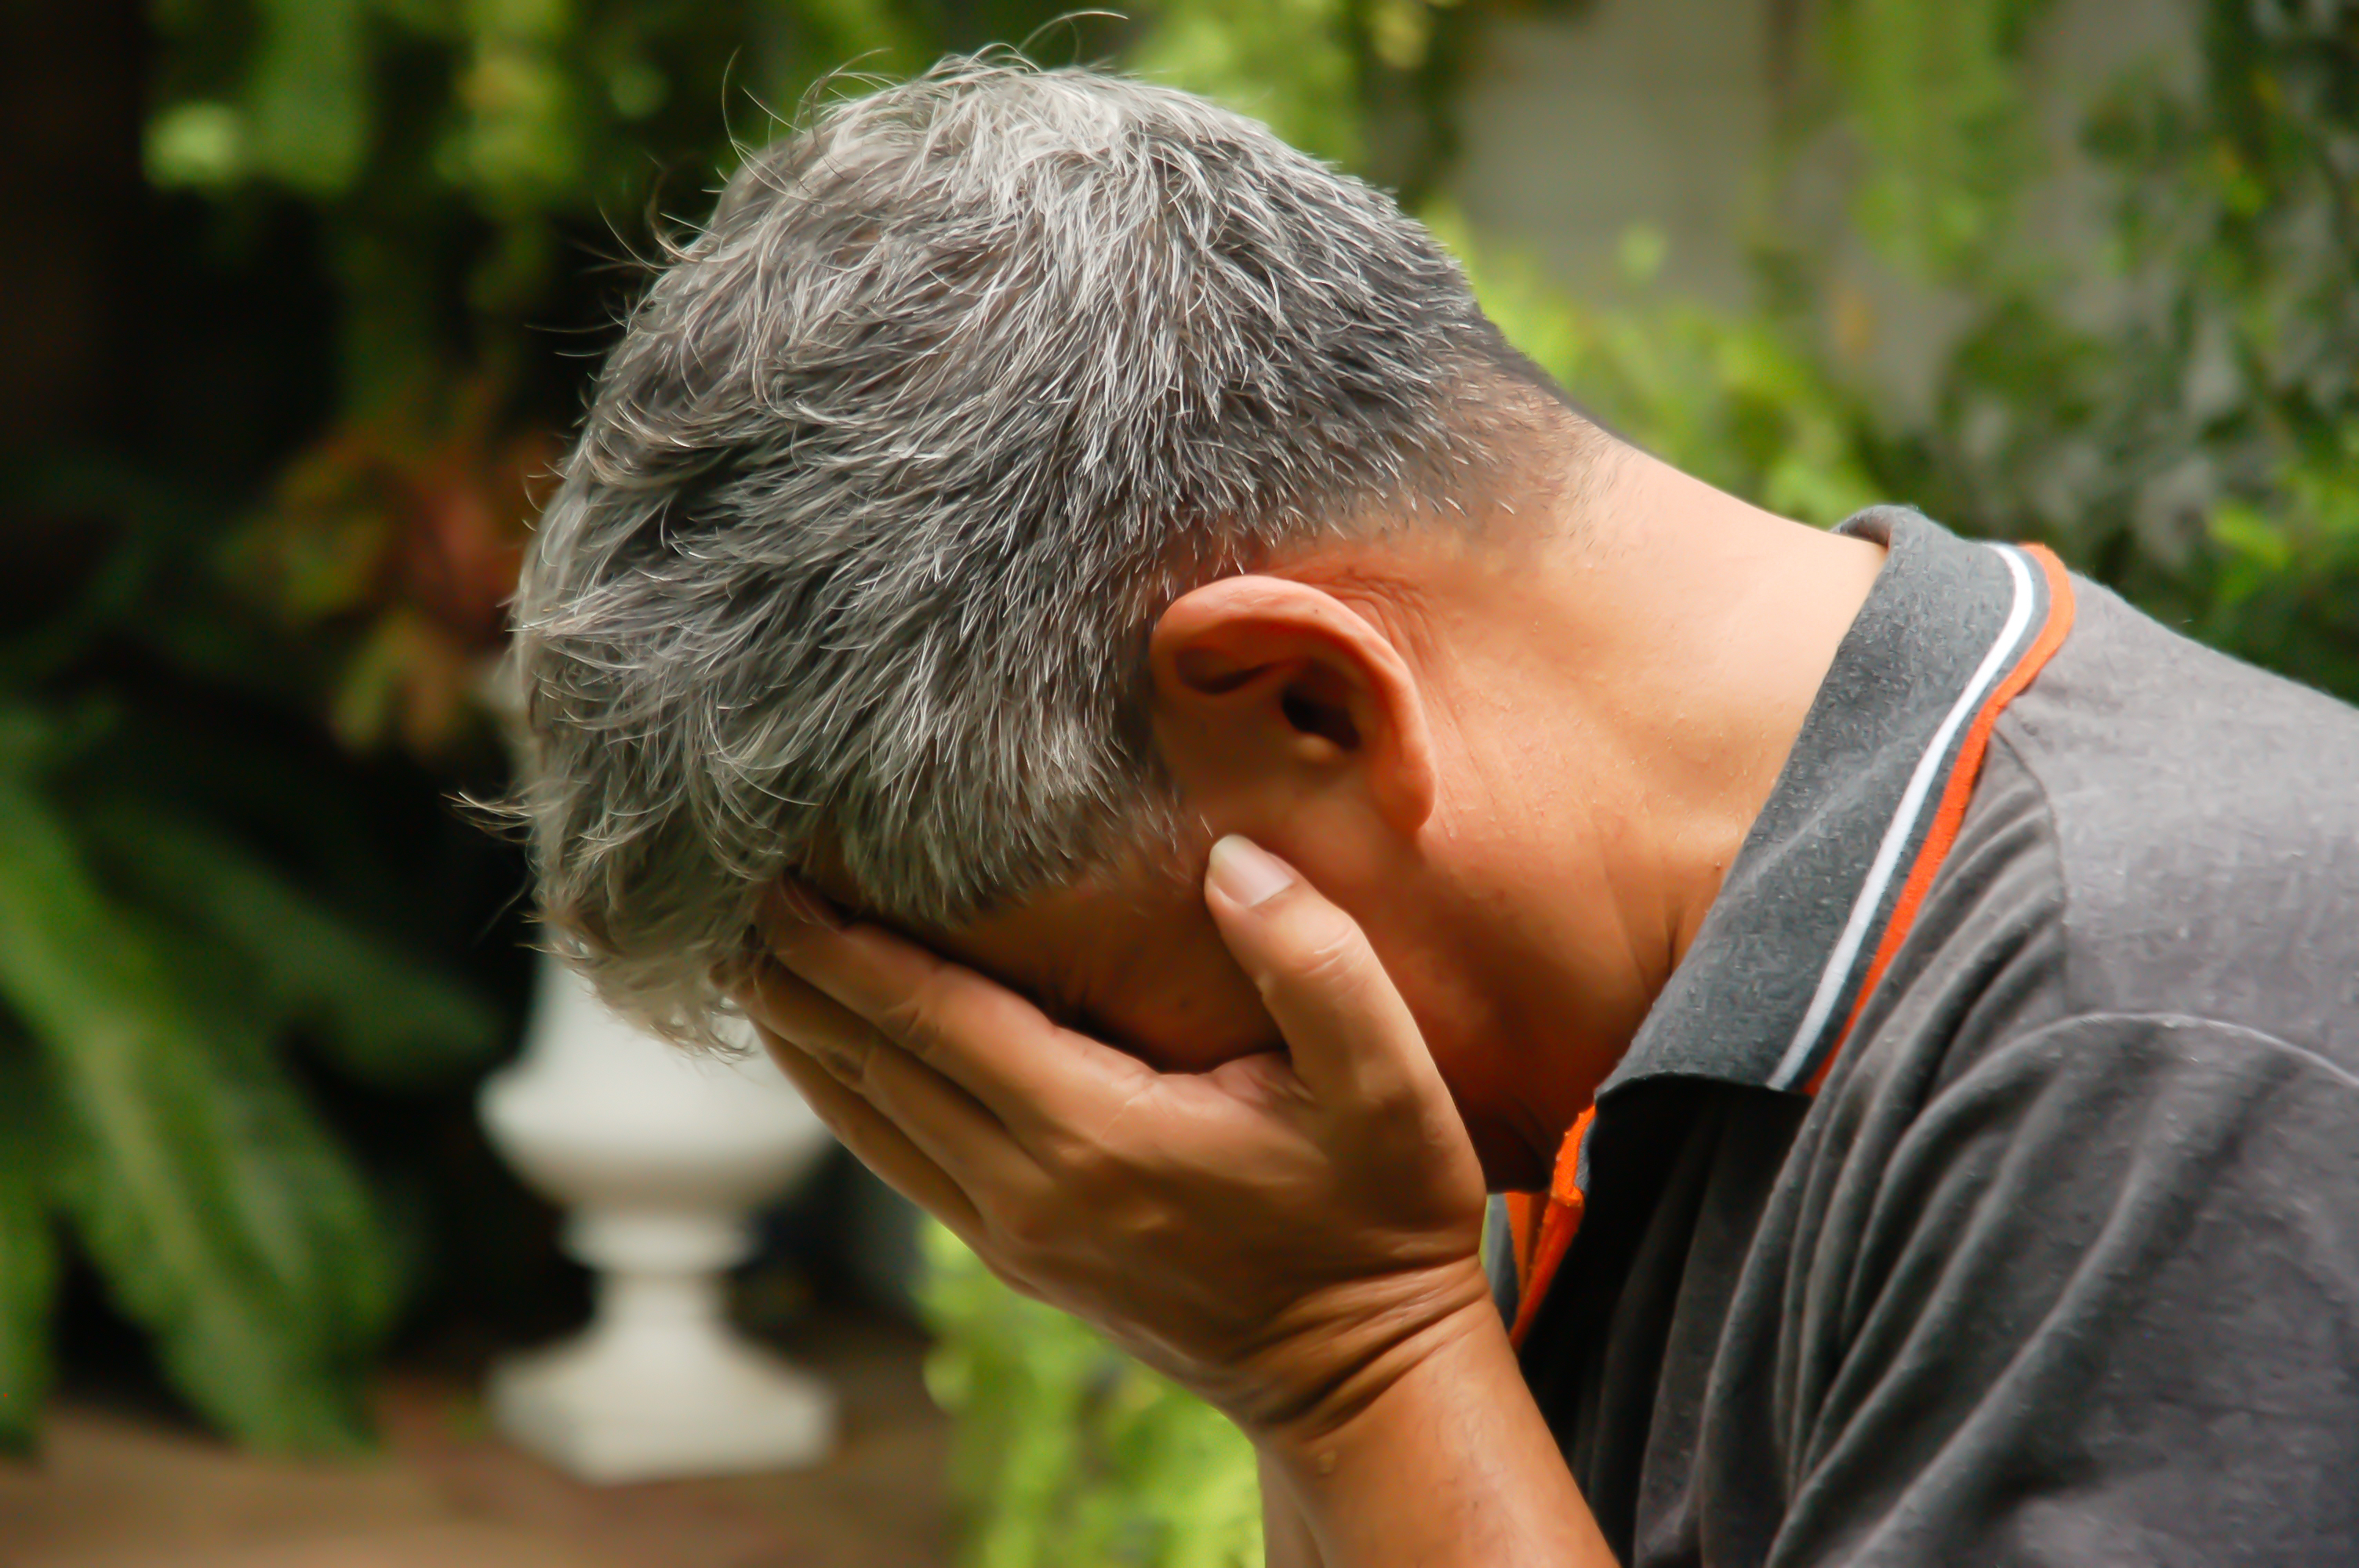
x=159 y=961
x=1936 y=99
x=1070 y=1455
x=2196 y=452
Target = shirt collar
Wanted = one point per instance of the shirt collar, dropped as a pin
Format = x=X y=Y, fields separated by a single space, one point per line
x=1766 y=989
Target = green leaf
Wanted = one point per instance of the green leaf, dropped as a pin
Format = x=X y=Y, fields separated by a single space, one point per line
x=200 y=144
x=1934 y=93
x=29 y=1251
x=1069 y=1454
x=308 y=103
x=387 y=1017
x=227 y=1222
x=147 y=517
x=1730 y=398
x=522 y=143
x=1286 y=62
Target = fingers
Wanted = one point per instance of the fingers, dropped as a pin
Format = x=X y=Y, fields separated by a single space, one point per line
x=1349 y=1033
x=1033 y=1074
x=876 y=1142
x=934 y=1117
x=806 y=1017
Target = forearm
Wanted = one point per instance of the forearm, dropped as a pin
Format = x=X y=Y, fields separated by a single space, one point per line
x=1450 y=1464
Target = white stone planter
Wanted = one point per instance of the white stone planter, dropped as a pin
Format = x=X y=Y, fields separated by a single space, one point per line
x=661 y=1158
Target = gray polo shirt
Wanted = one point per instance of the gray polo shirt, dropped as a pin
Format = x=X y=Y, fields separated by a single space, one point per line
x=2059 y=1264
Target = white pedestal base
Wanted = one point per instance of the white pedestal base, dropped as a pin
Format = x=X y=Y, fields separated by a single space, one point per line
x=599 y=1412
x=660 y=1384
x=659 y=1158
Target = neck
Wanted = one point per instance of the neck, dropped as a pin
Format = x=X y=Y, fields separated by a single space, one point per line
x=1616 y=696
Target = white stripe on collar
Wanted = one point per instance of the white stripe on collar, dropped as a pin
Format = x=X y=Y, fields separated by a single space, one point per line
x=1798 y=1055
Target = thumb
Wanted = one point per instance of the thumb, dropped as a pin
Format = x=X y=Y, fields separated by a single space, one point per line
x=1351 y=1037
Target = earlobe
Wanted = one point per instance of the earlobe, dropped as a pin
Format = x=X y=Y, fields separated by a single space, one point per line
x=1266 y=685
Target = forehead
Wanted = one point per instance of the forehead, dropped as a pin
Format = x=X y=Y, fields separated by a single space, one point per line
x=1130 y=957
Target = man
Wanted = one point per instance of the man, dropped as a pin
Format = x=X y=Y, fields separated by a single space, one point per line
x=1201 y=765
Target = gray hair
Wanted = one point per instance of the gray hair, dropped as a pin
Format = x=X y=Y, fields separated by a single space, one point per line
x=898 y=461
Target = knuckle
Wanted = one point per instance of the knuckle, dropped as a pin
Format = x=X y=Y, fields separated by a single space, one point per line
x=864 y=1066
x=1396 y=1114
x=1077 y=1162
x=848 y=1067
x=1027 y=1229
x=1334 y=956
x=917 y=1017
x=866 y=1072
x=1149 y=1229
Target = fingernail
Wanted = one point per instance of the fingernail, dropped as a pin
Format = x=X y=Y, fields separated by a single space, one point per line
x=1246 y=873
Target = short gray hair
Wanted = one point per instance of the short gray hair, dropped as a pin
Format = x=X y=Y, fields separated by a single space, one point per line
x=898 y=460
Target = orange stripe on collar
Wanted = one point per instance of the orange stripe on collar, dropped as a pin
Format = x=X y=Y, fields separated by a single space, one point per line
x=1957 y=791
x=1543 y=1231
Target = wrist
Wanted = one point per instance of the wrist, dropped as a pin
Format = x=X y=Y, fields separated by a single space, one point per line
x=1445 y=1462
x=1421 y=1346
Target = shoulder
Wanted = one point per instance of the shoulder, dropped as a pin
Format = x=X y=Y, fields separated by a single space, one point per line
x=2202 y=824
x=2120 y=1249
x=2158 y=833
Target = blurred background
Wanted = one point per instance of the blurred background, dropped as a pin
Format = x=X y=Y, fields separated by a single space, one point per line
x=301 y=302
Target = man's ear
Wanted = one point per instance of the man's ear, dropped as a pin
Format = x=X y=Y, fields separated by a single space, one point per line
x=1271 y=690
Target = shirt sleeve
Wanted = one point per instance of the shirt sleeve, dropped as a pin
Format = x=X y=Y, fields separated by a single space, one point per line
x=2097 y=1301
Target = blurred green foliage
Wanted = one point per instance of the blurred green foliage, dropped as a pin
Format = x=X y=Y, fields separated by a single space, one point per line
x=1936 y=94
x=189 y=946
x=1068 y=1451
x=161 y=962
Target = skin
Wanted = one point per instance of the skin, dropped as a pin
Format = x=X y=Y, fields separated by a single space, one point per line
x=1463 y=801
